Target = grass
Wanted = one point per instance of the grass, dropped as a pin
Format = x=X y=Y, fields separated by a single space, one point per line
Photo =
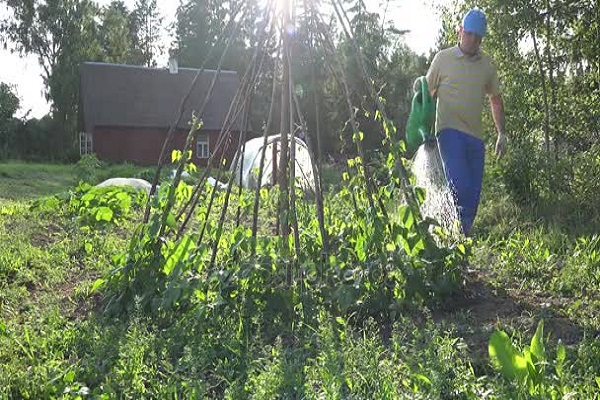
x=29 y=181
x=56 y=341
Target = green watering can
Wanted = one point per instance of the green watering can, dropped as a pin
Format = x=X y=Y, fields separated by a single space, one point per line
x=421 y=118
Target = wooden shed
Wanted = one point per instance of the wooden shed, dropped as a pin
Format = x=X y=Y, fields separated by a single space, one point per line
x=125 y=112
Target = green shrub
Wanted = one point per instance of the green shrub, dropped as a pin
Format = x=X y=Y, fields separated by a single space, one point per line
x=88 y=168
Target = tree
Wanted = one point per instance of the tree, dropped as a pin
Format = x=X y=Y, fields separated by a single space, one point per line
x=9 y=104
x=201 y=26
x=389 y=64
x=146 y=27
x=62 y=34
x=116 y=35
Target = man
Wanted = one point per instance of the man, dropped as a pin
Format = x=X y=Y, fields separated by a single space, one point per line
x=460 y=77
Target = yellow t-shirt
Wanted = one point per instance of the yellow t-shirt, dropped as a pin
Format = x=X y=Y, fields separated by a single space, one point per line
x=460 y=83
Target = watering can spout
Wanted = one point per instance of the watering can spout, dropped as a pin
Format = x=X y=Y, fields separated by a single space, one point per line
x=420 y=120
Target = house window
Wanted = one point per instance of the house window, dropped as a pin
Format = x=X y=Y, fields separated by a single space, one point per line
x=85 y=143
x=202 y=145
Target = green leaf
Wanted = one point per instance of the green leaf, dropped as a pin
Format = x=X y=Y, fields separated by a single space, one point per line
x=360 y=248
x=175 y=156
x=537 y=343
x=98 y=283
x=406 y=216
x=505 y=357
x=561 y=355
x=69 y=377
x=423 y=378
x=171 y=223
x=420 y=193
x=346 y=296
x=104 y=214
x=405 y=245
x=180 y=254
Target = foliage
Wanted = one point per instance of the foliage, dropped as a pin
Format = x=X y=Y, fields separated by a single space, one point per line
x=87 y=168
x=64 y=33
x=9 y=104
x=201 y=35
x=61 y=34
x=381 y=266
x=97 y=207
x=247 y=333
x=208 y=311
x=115 y=34
x=146 y=27
x=527 y=368
x=391 y=66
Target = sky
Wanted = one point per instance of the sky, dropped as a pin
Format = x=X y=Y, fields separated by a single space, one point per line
x=24 y=73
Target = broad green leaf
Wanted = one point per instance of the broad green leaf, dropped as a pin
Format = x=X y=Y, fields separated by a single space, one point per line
x=505 y=357
x=360 y=248
x=405 y=245
x=346 y=296
x=175 y=156
x=180 y=253
x=98 y=283
x=423 y=378
x=171 y=223
x=104 y=214
x=418 y=246
x=191 y=167
x=537 y=343
x=406 y=216
x=420 y=193
x=69 y=377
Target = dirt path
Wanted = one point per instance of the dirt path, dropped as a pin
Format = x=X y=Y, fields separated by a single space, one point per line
x=480 y=309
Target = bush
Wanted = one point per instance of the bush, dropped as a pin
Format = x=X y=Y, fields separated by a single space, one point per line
x=87 y=169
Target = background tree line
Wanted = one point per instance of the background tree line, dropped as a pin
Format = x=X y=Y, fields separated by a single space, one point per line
x=64 y=33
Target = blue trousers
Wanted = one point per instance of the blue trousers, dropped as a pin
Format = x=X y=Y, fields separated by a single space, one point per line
x=463 y=156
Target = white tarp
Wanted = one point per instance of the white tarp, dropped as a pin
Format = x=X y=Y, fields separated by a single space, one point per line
x=251 y=163
x=138 y=184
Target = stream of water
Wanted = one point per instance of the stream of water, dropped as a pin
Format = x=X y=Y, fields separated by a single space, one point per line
x=439 y=204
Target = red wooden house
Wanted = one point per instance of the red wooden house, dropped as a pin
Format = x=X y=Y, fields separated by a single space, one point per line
x=125 y=112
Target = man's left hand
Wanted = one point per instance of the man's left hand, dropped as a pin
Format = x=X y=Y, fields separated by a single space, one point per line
x=501 y=145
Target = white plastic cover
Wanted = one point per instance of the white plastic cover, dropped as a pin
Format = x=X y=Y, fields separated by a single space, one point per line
x=251 y=163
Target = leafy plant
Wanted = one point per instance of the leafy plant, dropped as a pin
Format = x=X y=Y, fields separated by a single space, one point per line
x=87 y=168
x=95 y=206
x=528 y=368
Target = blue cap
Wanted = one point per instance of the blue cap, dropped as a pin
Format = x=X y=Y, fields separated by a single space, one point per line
x=475 y=22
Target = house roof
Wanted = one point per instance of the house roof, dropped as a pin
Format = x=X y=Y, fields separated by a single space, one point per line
x=133 y=96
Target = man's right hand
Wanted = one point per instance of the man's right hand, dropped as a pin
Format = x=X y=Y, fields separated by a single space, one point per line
x=501 y=144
